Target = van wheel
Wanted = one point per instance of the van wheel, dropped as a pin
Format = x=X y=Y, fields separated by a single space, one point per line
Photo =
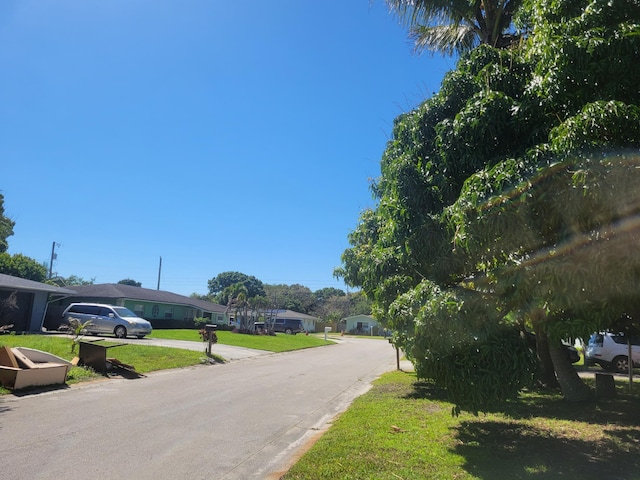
x=620 y=364
x=288 y=331
x=120 y=332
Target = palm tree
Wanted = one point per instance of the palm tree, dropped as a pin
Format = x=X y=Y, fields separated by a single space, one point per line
x=236 y=295
x=457 y=26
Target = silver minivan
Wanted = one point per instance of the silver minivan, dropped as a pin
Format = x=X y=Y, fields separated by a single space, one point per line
x=111 y=319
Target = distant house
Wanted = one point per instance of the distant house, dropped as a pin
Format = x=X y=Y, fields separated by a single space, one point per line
x=163 y=309
x=308 y=321
x=361 y=325
x=23 y=303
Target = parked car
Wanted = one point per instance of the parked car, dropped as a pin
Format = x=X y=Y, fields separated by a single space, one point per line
x=610 y=351
x=109 y=319
x=290 y=326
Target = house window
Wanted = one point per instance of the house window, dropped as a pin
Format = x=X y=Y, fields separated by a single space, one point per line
x=168 y=312
x=139 y=310
x=189 y=314
x=219 y=319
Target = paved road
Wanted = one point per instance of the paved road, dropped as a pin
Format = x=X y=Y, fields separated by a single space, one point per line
x=245 y=419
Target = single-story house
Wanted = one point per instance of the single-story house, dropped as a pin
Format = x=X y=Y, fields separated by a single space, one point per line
x=23 y=303
x=360 y=324
x=308 y=322
x=163 y=309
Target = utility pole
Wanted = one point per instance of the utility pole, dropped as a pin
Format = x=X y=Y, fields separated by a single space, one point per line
x=159 y=272
x=54 y=255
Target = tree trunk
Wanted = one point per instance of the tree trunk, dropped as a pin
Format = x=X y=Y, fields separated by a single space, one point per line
x=547 y=370
x=547 y=374
x=572 y=386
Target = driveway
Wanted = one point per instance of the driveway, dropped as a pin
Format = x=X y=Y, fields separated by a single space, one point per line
x=227 y=352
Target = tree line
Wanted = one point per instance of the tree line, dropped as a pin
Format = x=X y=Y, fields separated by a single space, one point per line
x=330 y=304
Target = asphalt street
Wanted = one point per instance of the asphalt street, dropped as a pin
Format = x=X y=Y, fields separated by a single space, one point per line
x=248 y=418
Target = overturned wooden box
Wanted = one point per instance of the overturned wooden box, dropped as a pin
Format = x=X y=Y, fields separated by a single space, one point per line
x=22 y=367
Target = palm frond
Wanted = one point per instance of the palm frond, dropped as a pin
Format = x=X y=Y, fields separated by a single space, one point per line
x=423 y=12
x=446 y=39
x=454 y=26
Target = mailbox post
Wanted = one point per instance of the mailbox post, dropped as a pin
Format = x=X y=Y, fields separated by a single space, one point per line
x=212 y=338
x=326 y=330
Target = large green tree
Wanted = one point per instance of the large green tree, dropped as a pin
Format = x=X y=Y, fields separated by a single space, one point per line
x=22 y=266
x=495 y=193
x=6 y=227
x=222 y=281
x=328 y=292
x=294 y=297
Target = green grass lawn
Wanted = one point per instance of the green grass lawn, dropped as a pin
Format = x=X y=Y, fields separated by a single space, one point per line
x=402 y=429
x=272 y=343
x=145 y=359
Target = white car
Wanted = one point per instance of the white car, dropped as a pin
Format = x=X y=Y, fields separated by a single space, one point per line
x=610 y=351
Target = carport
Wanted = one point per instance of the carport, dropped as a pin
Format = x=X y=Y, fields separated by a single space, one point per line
x=23 y=303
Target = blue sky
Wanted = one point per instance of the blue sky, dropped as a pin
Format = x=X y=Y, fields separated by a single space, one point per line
x=220 y=136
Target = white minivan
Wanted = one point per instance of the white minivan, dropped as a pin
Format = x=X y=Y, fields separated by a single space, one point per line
x=110 y=319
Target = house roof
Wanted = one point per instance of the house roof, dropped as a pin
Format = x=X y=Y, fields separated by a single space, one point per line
x=292 y=314
x=353 y=317
x=208 y=306
x=130 y=292
x=9 y=282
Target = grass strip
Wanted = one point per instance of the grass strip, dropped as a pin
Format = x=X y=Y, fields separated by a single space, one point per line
x=270 y=343
x=403 y=429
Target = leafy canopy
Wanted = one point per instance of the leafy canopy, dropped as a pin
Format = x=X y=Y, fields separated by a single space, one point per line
x=19 y=265
x=224 y=280
x=6 y=227
x=510 y=190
